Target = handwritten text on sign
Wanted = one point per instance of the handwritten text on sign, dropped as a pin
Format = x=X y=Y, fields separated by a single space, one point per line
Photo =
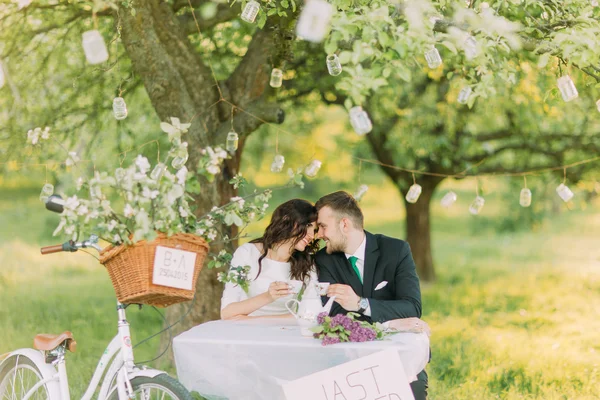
x=173 y=268
x=379 y=376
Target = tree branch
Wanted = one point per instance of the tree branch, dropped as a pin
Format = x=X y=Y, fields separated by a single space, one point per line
x=224 y=13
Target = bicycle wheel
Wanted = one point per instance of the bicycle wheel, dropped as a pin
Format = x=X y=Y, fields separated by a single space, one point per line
x=18 y=375
x=161 y=387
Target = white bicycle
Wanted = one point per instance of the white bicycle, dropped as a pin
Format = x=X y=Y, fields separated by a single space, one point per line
x=41 y=373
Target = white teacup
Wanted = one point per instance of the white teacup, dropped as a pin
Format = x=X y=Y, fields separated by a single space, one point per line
x=322 y=288
x=295 y=286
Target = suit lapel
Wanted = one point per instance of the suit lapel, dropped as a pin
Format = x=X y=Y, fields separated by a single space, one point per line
x=349 y=274
x=371 y=257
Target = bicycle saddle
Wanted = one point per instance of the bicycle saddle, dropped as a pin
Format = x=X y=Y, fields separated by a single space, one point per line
x=48 y=342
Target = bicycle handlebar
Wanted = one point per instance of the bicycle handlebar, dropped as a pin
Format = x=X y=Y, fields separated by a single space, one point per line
x=57 y=248
x=72 y=246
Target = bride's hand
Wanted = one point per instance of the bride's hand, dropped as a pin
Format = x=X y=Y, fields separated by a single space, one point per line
x=278 y=290
x=410 y=325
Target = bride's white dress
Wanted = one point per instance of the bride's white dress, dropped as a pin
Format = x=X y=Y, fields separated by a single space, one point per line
x=248 y=254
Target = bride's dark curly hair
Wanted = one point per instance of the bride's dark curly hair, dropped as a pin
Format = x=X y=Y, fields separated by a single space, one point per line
x=290 y=221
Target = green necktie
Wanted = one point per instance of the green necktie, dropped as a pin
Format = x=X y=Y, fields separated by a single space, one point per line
x=353 y=261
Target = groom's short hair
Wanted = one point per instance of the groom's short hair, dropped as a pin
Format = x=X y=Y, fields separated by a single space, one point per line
x=344 y=205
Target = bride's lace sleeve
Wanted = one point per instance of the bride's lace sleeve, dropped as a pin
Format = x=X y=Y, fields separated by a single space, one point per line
x=234 y=293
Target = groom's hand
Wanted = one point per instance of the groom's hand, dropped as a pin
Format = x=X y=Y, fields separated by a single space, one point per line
x=344 y=296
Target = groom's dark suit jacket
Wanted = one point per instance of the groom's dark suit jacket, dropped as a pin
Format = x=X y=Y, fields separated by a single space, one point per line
x=386 y=259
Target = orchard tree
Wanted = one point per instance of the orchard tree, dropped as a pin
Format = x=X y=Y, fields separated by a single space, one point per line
x=196 y=60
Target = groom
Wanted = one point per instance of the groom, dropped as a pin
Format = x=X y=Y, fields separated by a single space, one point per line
x=358 y=264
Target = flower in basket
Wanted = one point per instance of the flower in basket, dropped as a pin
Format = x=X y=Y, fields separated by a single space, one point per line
x=137 y=201
x=345 y=328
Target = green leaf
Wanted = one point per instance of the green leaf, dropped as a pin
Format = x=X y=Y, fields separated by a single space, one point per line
x=345 y=57
x=262 y=20
x=543 y=60
x=450 y=46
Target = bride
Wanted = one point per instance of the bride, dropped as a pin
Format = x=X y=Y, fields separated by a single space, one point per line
x=283 y=253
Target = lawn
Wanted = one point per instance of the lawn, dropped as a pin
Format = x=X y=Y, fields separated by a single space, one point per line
x=514 y=316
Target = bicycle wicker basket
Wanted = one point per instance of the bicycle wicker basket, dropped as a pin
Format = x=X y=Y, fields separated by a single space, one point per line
x=131 y=269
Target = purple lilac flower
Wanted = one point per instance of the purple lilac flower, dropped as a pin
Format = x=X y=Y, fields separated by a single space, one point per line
x=321 y=317
x=330 y=340
x=362 y=334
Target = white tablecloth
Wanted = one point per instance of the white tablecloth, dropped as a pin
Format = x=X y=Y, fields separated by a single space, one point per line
x=250 y=359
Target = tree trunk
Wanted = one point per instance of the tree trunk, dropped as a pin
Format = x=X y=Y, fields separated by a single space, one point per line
x=418 y=227
x=180 y=85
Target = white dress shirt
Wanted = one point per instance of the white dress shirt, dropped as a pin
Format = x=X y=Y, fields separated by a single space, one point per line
x=360 y=265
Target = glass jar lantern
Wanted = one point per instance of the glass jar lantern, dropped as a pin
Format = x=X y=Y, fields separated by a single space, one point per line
x=313 y=23
x=470 y=47
x=94 y=47
x=312 y=169
x=333 y=65
x=158 y=171
x=231 y=145
x=47 y=191
x=567 y=88
x=433 y=58
x=464 y=94
x=413 y=193
x=525 y=197
x=276 y=78
x=250 y=11
x=360 y=121
x=476 y=205
x=448 y=199
x=564 y=192
x=360 y=192
x=277 y=164
x=119 y=108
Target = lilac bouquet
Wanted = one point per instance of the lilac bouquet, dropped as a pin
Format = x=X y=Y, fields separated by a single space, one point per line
x=345 y=328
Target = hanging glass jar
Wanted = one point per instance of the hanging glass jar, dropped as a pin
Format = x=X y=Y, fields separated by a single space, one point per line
x=312 y=169
x=277 y=164
x=333 y=65
x=476 y=205
x=360 y=192
x=564 y=192
x=47 y=191
x=276 y=78
x=413 y=193
x=232 y=142
x=119 y=108
x=360 y=121
x=470 y=46
x=433 y=58
x=313 y=23
x=94 y=47
x=525 y=197
x=181 y=156
x=448 y=199
x=250 y=11
x=567 y=88
x=158 y=171
x=464 y=94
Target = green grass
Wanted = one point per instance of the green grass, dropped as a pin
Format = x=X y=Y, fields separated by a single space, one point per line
x=514 y=316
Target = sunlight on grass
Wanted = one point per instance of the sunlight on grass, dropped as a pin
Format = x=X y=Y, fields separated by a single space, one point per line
x=513 y=315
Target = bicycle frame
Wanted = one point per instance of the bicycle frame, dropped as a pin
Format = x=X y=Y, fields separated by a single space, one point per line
x=122 y=366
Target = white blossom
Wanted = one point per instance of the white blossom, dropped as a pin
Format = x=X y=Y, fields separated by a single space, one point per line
x=142 y=163
x=72 y=159
x=149 y=194
x=128 y=211
x=213 y=169
x=182 y=175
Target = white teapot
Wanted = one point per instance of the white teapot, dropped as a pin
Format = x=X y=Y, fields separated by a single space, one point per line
x=308 y=309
